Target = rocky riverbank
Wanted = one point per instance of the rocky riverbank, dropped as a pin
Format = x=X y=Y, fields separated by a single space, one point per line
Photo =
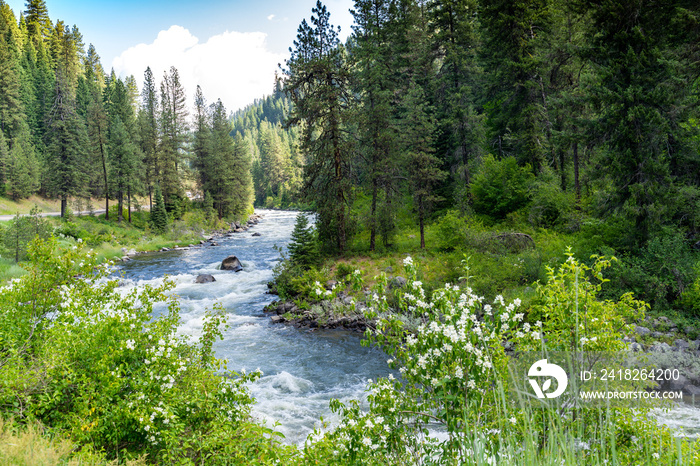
x=329 y=314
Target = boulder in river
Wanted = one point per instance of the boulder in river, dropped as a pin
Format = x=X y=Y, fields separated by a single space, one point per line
x=231 y=263
x=256 y=234
x=204 y=278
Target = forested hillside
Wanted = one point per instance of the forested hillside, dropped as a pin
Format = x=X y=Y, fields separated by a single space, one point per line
x=71 y=130
x=576 y=117
x=581 y=109
x=277 y=162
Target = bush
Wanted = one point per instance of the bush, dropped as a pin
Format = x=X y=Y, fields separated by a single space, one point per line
x=501 y=187
x=454 y=380
x=95 y=364
x=550 y=205
x=659 y=273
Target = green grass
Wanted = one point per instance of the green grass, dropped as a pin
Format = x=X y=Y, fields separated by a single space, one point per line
x=31 y=445
x=23 y=206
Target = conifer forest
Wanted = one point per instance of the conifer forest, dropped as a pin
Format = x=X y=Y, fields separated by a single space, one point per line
x=472 y=181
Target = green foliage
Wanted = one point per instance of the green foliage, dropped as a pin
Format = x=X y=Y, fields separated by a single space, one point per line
x=549 y=205
x=303 y=245
x=659 y=274
x=572 y=316
x=97 y=365
x=318 y=83
x=159 y=216
x=22 y=230
x=454 y=377
x=501 y=187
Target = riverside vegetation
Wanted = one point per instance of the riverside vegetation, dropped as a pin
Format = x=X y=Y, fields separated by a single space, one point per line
x=497 y=133
x=100 y=370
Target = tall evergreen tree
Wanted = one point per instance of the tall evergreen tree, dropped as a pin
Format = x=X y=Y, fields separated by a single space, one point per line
x=318 y=84
x=513 y=34
x=66 y=134
x=374 y=56
x=173 y=130
x=453 y=25
x=148 y=132
x=647 y=72
x=159 y=216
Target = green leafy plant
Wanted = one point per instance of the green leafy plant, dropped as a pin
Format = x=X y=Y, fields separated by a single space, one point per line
x=95 y=363
x=501 y=187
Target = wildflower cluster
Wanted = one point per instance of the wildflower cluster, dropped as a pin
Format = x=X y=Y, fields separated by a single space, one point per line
x=320 y=293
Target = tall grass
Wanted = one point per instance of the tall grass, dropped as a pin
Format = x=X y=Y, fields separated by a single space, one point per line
x=31 y=446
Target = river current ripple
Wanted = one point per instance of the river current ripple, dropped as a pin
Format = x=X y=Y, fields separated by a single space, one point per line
x=303 y=370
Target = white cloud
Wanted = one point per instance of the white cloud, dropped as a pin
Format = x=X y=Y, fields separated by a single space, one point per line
x=233 y=66
x=271 y=17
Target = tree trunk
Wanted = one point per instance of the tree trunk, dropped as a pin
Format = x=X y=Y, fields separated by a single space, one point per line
x=373 y=215
x=421 y=216
x=104 y=172
x=64 y=205
x=120 y=205
x=577 y=184
x=128 y=202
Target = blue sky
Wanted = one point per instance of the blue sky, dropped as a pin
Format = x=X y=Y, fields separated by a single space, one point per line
x=230 y=48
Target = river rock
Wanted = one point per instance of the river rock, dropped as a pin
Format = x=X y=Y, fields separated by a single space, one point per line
x=636 y=347
x=204 y=278
x=214 y=243
x=231 y=263
x=277 y=319
x=680 y=345
x=397 y=282
x=256 y=234
x=678 y=384
x=642 y=331
x=691 y=390
x=660 y=348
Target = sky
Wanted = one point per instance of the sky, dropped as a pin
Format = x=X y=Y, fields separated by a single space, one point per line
x=230 y=48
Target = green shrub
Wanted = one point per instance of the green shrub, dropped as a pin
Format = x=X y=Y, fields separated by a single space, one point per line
x=501 y=187
x=96 y=365
x=549 y=204
x=659 y=273
x=454 y=378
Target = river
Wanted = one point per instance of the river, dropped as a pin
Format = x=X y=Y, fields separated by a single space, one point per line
x=303 y=370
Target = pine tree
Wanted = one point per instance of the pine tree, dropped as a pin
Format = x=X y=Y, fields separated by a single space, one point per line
x=422 y=165
x=159 y=216
x=453 y=28
x=201 y=146
x=303 y=248
x=514 y=33
x=318 y=84
x=374 y=57
x=38 y=21
x=644 y=96
x=173 y=130
x=148 y=132
x=66 y=133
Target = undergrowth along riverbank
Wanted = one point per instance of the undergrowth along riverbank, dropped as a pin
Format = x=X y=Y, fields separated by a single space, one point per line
x=109 y=239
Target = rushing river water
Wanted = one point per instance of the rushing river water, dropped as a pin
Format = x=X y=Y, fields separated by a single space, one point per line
x=302 y=369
